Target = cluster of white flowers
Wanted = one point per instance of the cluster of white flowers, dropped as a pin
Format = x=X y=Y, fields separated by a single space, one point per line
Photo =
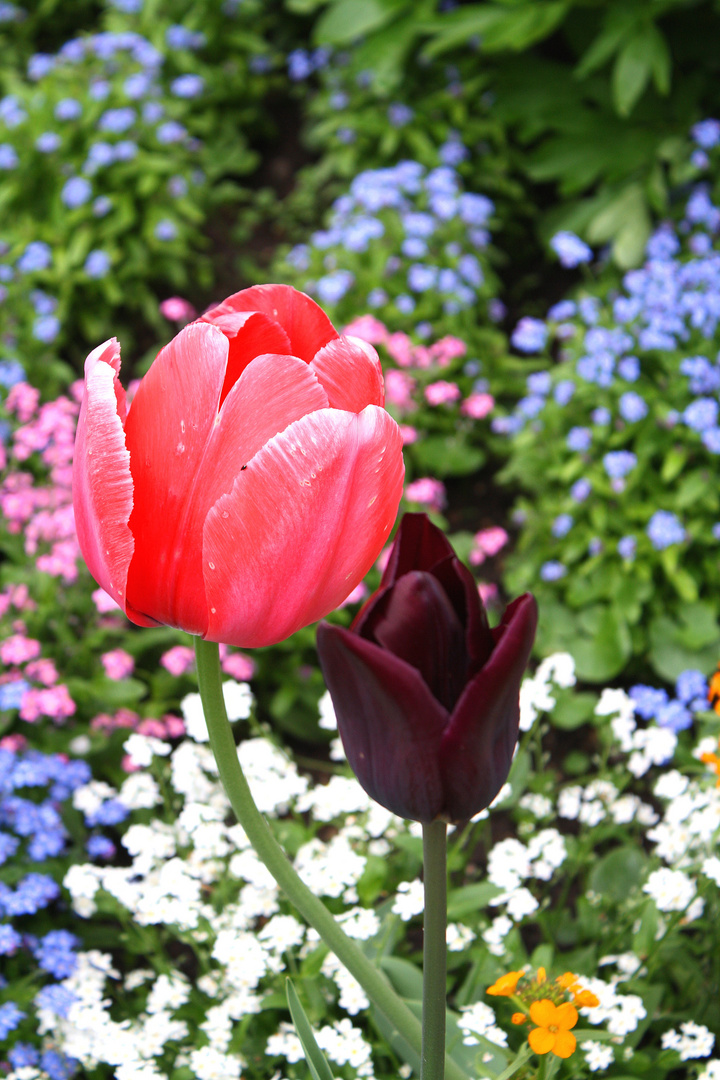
x=692 y=1041
x=601 y=799
x=536 y=691
x=479 y=1019
x=511 y=862
x=597 y=1056
x=672 y=890
x=621 y=1013
x=646 y=746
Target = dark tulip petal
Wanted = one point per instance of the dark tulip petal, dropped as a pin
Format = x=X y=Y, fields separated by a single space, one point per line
x=418 y=545
x=389 y=722
x=416 y=622
x=478 y=743
x=461 y=588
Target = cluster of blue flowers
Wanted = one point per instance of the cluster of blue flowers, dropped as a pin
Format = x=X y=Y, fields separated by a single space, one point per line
x=31 y=830
x=419 y=207
x=668 y=306
x=691 y=697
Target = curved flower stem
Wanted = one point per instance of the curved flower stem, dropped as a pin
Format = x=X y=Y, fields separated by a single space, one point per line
x=434 y=951
x=373 y=982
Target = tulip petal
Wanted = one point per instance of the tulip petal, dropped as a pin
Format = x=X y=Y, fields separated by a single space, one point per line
x=419 y=545
x=478 y=744
x=350 y=371
x=102 y=483
x=389 y=722
x=305 y=323
x=302 y=526
x=167 y=428
x=250 y=334
x=461 y=588
x=416 y=622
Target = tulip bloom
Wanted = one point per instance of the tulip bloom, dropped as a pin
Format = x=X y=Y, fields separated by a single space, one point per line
x=426 y=694
x=253 y=480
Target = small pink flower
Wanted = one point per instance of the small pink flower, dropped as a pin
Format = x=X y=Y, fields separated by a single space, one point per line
x=152 y=727
x=368 y=328
x=23 y=401
x=427 y=492
x=18 y=649
x=178 y=660
x=409 y=434
x=128 y=765
x=401 y=349
x=54 y=702
x=14 y=743
x=477 y=405
x=177 y=310
x=104 y=602
x=118 y=664
x=446 y=349
x=238 y=666
x=488 y=592
x=399 y=387
x=174 y=726
x=491 y=540
x=359 y=593
x=42 y=671
x=442 y=393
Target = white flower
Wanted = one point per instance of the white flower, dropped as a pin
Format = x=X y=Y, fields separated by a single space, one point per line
x=710 y=1072
x=495 y=934
x=570 y=802
x=672 y=890
x=538 y=805
x=671 y=784
x=168 y=992
x=711 y=868
x=209 y=1064
x=558 y=668
x=479 y=1019
x=352 y=996
x=410 y=900
x=141 y=748
x=520 y=903
x=328 y=720
x=359 y=923
x=458 y=937
x=696 y=1041
x=285 y=1043
x=614 y=703
x=342 y=795
x=140 y=791
x=597 y=1056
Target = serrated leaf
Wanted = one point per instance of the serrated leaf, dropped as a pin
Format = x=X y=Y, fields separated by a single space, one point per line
x=318 y=1066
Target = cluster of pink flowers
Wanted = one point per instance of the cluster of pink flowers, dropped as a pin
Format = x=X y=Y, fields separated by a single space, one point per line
x=181 y=659
x=52 y=701
x=43 y=512
x=486 y=543
x=118 y=664
x=427 y=492
x=163 y=727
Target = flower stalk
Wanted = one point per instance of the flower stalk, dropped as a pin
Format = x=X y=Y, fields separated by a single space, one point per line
x=222 y=743
x=434 y=951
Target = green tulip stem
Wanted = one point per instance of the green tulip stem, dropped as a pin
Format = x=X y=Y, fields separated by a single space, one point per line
x=373 y=982
x=434 y=951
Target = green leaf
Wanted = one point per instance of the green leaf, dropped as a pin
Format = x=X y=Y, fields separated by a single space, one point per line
x=523 y=26
x=619 y=22
x=673 y=464
x=471 y=898
x=347 y=20
x=447 y=455
x=318 y=1066
x=618 y=873
x=644 y=54
x=573 y=711
x=603 y=654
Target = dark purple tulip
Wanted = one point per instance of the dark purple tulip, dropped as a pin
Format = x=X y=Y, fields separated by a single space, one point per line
x=425 y=693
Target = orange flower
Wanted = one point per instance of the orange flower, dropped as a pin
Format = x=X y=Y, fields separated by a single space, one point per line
x=713 y=760
x=585 y=999
x=506 y=984
x=568 y=981
x=518 y=1018
x=552 y=1033
x=541 y=976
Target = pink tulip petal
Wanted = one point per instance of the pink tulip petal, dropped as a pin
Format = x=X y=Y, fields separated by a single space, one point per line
x=250 y=334
x=168 y=426
x=102 y=483
x=350 y=371
x=305 y=323
x=271 y=393
x=393 y=750
x=302 y=526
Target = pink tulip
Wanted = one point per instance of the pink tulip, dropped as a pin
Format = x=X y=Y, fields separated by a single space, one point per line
x=254 y=479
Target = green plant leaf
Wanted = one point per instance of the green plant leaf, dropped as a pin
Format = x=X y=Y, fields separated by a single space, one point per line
x=318 y=1066
x=603 y=653
x=347 y=20
x=636 y=62
x=616 y=874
